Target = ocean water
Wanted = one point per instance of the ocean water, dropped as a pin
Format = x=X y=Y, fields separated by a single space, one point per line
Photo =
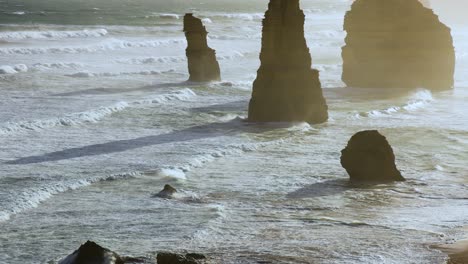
x=95 y=117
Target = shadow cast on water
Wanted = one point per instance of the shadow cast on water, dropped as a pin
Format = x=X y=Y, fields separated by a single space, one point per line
x=148 y=88
x=330 y=187
x=236 y=106
x=212 y=130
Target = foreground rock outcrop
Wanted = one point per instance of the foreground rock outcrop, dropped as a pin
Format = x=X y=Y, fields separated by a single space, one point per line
x=92 y=253
x=286 y=88
x=368 y=157
x=457 y=252
x=172 y=258
x=202 y=63
x=397 y=44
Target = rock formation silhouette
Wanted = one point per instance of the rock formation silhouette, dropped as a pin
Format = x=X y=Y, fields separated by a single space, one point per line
x=286 y=88
x=368 y=157
x=397 y=44
x=202 y=63
x=92 y=253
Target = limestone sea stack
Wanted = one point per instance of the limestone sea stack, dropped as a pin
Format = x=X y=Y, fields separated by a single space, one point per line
x=368 y=157
x=397 y=44
x=202 y=63
x=287 y=89
x=92 y=253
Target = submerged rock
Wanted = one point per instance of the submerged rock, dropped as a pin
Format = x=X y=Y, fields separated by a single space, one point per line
x=202 y=63
x=92 y=253
x=172 y=258
x=369 y=158
x=397 y=44
x=286 y=88
x=167 y=193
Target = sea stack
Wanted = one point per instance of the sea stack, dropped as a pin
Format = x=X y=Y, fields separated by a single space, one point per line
x=397 y=44
x=368 y=157
x=287 y=89
x=202 y=63
x=92 y=253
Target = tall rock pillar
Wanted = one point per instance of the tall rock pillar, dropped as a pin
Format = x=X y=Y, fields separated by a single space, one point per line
x=286 y=88
x=202 y=63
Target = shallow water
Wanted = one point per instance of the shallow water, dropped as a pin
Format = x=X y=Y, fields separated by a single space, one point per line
x=101 y=118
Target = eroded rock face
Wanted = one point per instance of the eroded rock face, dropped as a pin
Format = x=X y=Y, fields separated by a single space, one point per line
x=92 y=253
x=397 y=44
x=286 y=88
x=369 y=158
x=202 y=63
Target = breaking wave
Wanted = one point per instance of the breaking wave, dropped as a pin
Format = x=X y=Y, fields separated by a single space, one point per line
x=52 y=34
x=6 y=69
x=112 y=44
x=91 y=116
x=418 y=100
x=87 y=74
x=151 y=60
x=32 y=197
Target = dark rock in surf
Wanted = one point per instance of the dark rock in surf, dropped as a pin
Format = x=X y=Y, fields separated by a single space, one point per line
x=286 y=88
x=172 y=258
x=397 y=44
x=92 y=253
x=202 y=63
x=167 y=193
x=369 y=158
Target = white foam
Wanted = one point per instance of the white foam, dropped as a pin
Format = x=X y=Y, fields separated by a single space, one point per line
x=18 y=13
x=207 y=21
x=240 y=16
x=57 y=65
x=173 y=173
x=242 y=85
x=91 y=116
x=6 y=69
x=182 y=95
x=109 y=45
x=21 y=35
x=87 y=74
x=169 y=16
x=232 y=55
x=418 y=100
x=152 y=60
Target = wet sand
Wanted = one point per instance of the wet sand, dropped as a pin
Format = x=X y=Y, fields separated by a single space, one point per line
x=457 y=252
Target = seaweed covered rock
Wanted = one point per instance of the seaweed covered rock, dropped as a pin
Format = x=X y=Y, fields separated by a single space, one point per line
x=167 y=193
x=92 y=253
x=172 y=258
x=397 y=44
x=287 y=88
x=202 y=63
x=368 y=157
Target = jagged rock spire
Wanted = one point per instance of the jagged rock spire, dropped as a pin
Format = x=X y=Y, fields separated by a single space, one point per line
x=202 y=63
